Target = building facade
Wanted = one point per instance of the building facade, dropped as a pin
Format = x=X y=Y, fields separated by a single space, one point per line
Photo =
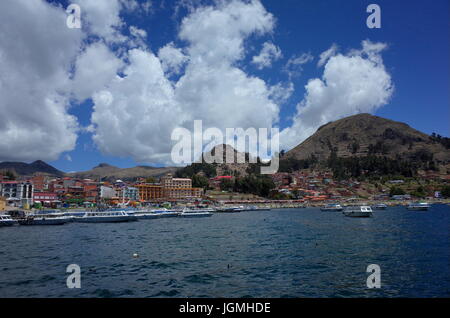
x=20 y=192
x=150 y=192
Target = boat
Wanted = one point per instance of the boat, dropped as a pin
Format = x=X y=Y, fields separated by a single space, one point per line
x=230 y=209
x=256 y=208
x=45 y=219
x=191 y=213
x=145 y=215
x=106 y=217
x=332 y=207
x=418 y=206
x=358 y=211
x=380 y=206
x=6 y=220
x=165 y=213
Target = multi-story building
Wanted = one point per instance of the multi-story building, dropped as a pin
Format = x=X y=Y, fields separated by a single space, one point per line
x=130 y=193
x=150 y=192
x=169 y=182
x=46 y=198
x=21 y=192
x=179 y=188
x=183 y=193
x=107 y=192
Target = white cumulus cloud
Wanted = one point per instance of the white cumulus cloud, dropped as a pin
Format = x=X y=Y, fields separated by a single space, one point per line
x=354 y=83
x=35 y=59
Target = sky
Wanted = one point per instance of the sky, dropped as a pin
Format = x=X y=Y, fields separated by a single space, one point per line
x=115 y=89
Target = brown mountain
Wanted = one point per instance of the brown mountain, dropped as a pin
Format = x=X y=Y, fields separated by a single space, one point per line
x=364 y=134
x=107 y=172
x=29 y=169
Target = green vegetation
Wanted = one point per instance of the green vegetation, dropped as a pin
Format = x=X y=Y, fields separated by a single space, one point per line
x=260 y=185
x=291 y=164
x=419 y=192
x=445 y=191
x=209 y=170
x=396 y=191
x=445 y=141
x=199 y=181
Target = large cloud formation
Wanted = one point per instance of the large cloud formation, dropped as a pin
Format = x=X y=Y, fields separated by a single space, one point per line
x=141 y=96
x=144 y=107
x=35 y=59
x=354 y=83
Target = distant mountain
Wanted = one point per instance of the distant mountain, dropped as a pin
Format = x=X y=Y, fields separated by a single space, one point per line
x=105 y=171
x=217 y=169
x=364 y=134
x=36 y=167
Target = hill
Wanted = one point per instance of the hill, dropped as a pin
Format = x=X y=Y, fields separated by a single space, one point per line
x=107 y=172
x=36 y=167
x=364 y=134
x=363 y=140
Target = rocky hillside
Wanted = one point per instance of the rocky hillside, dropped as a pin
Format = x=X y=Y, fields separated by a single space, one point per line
x=364 y=134
x=107 y=172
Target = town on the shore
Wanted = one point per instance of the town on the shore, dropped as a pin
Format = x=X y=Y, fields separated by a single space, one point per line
x=296 y=189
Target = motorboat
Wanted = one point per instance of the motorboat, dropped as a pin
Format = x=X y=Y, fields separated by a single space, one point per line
x=145 y=215
x=190 y=213
x=380 y=206
x=332 y=207
x=106 y=217
x=45 y=219
x=166 y=213
x=418 y=206
x=231 y=209
x=6 y=220
x=358 y=211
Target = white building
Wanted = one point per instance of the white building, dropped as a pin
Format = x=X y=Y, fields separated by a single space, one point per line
x=19 y=193
x=107 y=192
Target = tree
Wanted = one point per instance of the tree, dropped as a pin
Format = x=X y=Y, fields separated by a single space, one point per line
x=226 y=185
x=199 y=181
x=445 y=192
x=396 y=191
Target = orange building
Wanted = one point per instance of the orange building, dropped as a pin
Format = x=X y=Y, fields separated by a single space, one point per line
x=149 y=192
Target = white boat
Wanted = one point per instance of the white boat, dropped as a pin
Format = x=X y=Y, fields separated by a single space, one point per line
x=358 y=211
x=192 y=213
x=45 y=219
x=145 y=215
x=165 y=213
x=380 y=206
x=418 y=206
x=106 y=217
x=6 y=220
x=231 y=209
x=332 y=207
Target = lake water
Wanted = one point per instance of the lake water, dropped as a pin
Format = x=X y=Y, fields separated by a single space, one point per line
x=277 y=253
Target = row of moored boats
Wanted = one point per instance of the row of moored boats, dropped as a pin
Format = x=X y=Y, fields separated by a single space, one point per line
x=367 y=211
x=59 y=218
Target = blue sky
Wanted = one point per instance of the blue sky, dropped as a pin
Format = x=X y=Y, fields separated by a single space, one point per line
x=415 y=58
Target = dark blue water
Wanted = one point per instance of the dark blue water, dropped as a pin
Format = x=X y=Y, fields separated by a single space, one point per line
x=278 y=253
